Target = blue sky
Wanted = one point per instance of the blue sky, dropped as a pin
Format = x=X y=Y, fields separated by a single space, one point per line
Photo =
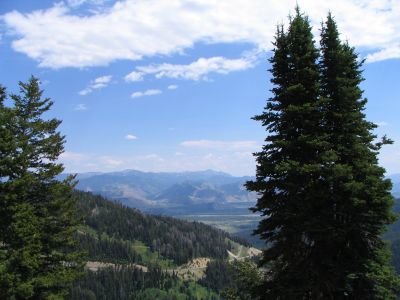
x=172 y=85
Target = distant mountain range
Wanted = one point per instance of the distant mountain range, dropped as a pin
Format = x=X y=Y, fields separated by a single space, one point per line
x=172 y=193
x=180 y=192
x=212 y=197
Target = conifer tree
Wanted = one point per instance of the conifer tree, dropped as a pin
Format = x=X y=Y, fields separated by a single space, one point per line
x=358 y=202
x=288 y=176
x=323 y=196
x=39 y=215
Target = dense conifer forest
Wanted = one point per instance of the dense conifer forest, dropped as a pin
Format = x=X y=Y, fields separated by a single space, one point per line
x=173 y=239
x=127 y=283
x=124 y=249
x=142 y=251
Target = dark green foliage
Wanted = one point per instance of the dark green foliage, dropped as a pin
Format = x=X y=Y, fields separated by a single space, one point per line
x=395 y=247
x=288 y=171
x=120 y=283
x=358 y=200
x=105 y=249
x=324 y=197
x=38 y=214
x=248 y=281
x=175 y=239
x=239 y=280
x=116 y=234
x=128 y=283
x=393 y=232
x=393 y=236
x=218 y=275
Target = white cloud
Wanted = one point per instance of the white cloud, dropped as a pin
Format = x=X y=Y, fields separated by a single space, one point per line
x=151 y=92
x=77 y=3
x=103 y=79
x=390 y=52
x=110 y=161
x=130 y=137
x=85 y=91
x=153 y=162
x=80 y=107
x=172 y=87
x=236 y=159
x=199 y=69
x=382 y=124
x=58 y=37
x=69 y=156
x=225 y=145
x=134 y=76
x=98 y=83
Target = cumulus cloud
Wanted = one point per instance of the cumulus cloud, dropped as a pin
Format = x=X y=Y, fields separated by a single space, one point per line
x=80 y=107
x=226 y=145
x=98 y=83
x=130 y=137
x=130 y=30
x=134 y=76
x=172 y=87
x=199 y=69
x=390 y=52
x=151 y=92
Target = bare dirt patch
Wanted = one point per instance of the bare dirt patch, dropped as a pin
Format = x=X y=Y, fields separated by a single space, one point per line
x=94 y=266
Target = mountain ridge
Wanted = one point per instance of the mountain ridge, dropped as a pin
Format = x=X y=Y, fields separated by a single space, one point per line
x=168 y=192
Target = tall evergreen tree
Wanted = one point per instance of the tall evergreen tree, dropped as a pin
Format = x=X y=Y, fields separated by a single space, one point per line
x=288 y=176
x=358 y=202
x=39 y=215
x=322 y=193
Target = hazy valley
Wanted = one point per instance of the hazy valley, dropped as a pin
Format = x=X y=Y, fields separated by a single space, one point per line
x=215 y=198
x=212 y=197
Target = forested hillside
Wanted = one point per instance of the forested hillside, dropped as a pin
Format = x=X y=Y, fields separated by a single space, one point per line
x=211 y=197
x=132 y=255
x=175 y=239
